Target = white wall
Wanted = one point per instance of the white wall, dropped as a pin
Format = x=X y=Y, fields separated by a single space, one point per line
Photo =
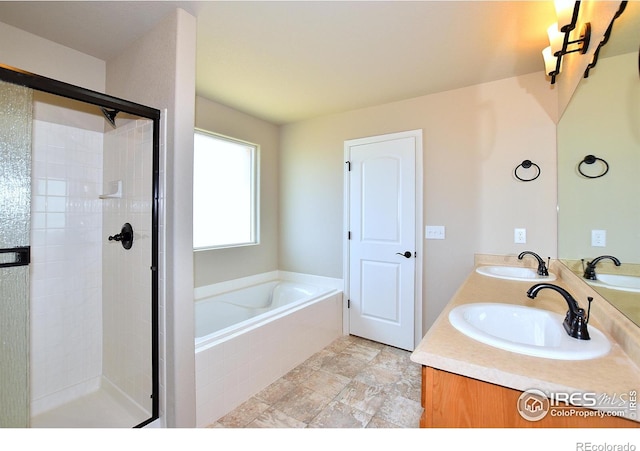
x=473 y=139
x=158 y=70
x=216 y=265
x=34 y=54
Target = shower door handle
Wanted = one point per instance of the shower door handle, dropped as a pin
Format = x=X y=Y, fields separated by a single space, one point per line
x=21 y=257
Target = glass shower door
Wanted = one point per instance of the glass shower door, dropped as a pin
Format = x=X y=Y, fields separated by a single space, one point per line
x=15 y=202
x=95 y=363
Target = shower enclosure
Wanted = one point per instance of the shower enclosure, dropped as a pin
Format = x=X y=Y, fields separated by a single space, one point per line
x=79 y=181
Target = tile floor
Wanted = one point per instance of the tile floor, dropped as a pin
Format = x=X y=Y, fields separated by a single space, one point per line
x=352 y=383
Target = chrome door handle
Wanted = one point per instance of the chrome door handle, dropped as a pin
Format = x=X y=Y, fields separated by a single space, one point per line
x=406 y=254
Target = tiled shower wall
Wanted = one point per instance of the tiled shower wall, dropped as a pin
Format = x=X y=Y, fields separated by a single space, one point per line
x=126 y=287
x=66 y=270
x=90 y=298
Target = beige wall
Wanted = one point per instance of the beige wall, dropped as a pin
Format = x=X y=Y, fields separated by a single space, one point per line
x=473 y=140
x=217 y=265
x=603 y=120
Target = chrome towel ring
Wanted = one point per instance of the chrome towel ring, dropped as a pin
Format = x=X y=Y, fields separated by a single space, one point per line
x=590 y=159
x=526 y=164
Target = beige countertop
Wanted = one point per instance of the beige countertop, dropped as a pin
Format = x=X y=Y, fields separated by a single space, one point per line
x=447 y=349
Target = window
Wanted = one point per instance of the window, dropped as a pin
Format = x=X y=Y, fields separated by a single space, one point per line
x=225 y=207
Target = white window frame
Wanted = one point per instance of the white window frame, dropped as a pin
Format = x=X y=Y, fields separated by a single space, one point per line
x=255 y=192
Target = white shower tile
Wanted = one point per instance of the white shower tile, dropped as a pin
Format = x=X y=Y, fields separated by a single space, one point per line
x=63 y=349
x=56 y=204
x=38 y=203
x=39 y=185
x=56 y=187
x=39 y=220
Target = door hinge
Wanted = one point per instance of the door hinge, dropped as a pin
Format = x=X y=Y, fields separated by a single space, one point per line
x=348 y=303
x=348 y=163
x=349 y=235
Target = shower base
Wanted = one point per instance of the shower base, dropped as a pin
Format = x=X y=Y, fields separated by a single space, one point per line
x=99 y=409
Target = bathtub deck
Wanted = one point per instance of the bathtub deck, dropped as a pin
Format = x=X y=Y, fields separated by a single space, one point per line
x=353 y=383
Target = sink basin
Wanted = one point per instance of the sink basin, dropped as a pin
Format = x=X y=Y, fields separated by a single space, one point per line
x=514 y=273
x=617 y=282
x=526 y=330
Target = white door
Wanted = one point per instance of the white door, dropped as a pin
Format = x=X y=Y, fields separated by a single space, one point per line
x=382 y=238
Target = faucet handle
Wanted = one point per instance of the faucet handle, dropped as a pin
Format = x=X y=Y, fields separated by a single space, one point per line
x=590 y=300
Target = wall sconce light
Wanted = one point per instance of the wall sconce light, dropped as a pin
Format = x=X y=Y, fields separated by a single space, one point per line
x=560 y=37
x=605 y=39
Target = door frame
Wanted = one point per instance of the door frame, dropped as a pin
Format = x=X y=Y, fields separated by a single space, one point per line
x=417 y=135
x=39 y=83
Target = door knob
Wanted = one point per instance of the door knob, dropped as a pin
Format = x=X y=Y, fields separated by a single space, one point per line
x=406 y=254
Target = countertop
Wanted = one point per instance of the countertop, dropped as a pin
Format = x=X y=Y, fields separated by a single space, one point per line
x=447 y=349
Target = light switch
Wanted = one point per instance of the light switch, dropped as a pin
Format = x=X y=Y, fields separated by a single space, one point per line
x=434 y=232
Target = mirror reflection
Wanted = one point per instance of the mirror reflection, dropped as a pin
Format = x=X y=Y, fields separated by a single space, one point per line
x=599 y=172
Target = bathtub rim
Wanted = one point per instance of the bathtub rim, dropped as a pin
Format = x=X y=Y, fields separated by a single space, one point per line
x=214 y=289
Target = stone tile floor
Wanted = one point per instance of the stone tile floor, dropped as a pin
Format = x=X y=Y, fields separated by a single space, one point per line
x=352 y=383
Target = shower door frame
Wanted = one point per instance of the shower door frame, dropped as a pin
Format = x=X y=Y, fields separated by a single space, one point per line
x=39 y=83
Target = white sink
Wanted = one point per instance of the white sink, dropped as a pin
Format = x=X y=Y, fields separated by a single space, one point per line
x=514 y=273
x=617 y=282
x=526 y=330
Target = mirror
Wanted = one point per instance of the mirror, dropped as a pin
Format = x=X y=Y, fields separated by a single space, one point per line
x=599 y=203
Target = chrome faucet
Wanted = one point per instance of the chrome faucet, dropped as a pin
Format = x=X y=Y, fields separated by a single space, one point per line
x=590 y=270
x=542 y=268
x=575 y=321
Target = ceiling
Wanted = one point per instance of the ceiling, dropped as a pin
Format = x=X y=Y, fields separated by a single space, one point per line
x=293 y=60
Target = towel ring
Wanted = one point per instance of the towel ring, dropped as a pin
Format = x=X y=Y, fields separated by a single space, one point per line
x=590 y=159
x=526 y=164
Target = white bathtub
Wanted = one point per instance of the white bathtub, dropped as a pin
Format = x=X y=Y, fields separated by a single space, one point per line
x=252 y=331
x=221 y=315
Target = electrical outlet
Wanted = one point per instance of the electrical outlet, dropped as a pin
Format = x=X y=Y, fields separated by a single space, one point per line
x=520 y=236
x=598 y=238
x=434 y=232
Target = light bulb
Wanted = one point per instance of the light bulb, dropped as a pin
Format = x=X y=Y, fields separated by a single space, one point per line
x=564 y=11
x=550 y=61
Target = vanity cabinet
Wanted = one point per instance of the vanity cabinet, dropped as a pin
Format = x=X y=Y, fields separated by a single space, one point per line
x=452 y=400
